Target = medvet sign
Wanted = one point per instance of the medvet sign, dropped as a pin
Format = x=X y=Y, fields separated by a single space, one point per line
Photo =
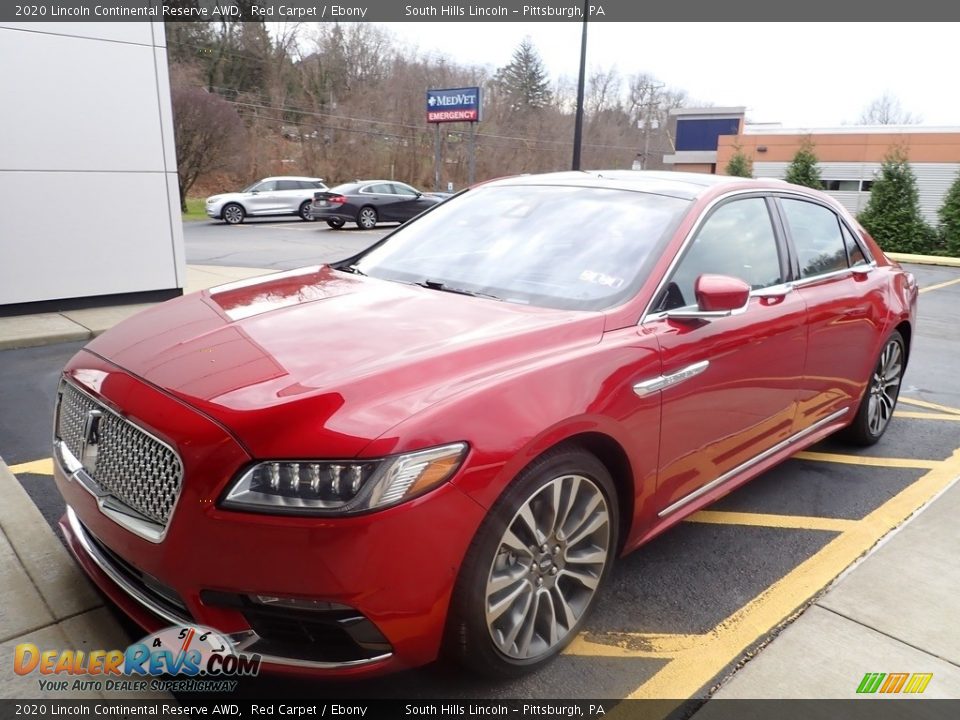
x=453 y=105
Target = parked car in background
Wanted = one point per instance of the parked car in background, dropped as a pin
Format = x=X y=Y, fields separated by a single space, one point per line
x=442 y=443
x=367 y=202
x=285 y=195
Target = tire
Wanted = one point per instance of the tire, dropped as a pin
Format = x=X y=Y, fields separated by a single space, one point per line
x=880 y=398
x=504 y=575
x=335 y=223
x=233 y=214
x=304 y=211
x=367 y=218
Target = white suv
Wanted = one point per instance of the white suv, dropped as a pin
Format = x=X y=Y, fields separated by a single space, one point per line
x=271 y=196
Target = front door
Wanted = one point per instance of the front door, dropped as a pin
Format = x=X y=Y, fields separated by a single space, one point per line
x=729 y=389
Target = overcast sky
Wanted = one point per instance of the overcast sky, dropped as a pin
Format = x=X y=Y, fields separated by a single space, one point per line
x=798 y=74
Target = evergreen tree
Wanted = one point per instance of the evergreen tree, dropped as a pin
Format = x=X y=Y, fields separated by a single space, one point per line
x=524 y=82
x=740 y=165
x=803 y=168
x=892 y=214
x=950 y=219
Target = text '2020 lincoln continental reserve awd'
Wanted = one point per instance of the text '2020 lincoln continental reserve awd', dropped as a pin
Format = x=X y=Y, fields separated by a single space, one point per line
x=441 y=444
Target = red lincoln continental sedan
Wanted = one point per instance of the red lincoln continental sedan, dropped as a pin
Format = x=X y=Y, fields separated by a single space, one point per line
x=441 y=444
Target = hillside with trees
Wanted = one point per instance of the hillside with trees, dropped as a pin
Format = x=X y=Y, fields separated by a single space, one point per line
x=342 y=101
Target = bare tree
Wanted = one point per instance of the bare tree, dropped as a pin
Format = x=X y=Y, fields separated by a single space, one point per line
x=209 y=133
x=887 y=110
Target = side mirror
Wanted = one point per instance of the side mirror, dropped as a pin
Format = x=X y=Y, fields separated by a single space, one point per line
x=721 y=293
x=717 y=296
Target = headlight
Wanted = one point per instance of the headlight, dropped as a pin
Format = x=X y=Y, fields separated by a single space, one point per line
x=322 y=487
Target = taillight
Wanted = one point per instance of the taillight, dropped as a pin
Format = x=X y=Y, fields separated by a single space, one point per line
x=337 y=200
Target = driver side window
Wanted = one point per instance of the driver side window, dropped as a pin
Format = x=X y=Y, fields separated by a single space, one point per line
x=736 y=240
x=268 y=186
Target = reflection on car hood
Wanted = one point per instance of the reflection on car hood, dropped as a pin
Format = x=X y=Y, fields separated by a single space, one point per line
x=358 y=355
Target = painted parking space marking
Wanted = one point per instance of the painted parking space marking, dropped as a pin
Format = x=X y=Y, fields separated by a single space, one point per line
x=867 y=460
x=37 y=467
x=791 y=522
x=929 y=405
x=940 y=285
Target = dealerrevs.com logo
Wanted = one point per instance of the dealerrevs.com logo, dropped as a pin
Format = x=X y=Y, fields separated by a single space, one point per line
x=200 y=659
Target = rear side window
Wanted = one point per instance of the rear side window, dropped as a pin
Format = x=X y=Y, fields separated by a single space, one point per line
x=854 y=251
x=817 y=237
x=288 y=185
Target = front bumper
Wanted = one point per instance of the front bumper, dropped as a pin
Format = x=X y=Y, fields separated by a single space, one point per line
x=394 y=569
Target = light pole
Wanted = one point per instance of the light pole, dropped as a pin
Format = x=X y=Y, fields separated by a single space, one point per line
x=578 y=122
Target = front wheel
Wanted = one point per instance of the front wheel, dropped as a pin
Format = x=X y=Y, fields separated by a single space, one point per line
x=232 y=214
x=367 y=218
x=304 y=211
x=880 y=399
x=532 y=573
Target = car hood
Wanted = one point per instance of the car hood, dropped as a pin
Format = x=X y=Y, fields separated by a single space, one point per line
x=329 y=359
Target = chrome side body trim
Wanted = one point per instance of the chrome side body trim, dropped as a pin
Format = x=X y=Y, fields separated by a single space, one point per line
x=648 y=387
x=244 y=641
x=783 y=444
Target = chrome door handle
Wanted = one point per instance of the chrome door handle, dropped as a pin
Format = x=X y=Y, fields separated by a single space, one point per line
x=661 y=382
x=777 y=291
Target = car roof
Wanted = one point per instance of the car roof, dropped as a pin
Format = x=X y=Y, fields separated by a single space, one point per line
x=684 y=185
x=292 y=177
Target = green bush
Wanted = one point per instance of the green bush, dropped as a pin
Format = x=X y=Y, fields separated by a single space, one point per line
x=803 y=168
x=892 y=215
x=950 y=220
x=740 y=165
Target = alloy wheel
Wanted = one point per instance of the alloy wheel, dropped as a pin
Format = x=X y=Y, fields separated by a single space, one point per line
x=233 y=214
x=547 y=567
x=885 y=386
x=368 y=218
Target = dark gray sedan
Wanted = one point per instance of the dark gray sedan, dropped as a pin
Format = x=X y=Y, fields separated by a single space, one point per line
x=368 y=202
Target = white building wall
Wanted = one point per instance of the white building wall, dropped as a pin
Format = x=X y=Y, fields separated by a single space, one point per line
x=933 y=182
x=88 y=184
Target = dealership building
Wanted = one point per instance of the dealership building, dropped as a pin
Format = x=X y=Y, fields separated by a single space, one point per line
x=849 y=157
x=88 y=169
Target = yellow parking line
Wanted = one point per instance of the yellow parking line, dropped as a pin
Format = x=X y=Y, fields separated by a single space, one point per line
x=625 y=644
x=939 y=285
x=925 y=415
x=867 y=460
x=37 y=467
x=689 y=671
x=793 y=522
x=928 y=405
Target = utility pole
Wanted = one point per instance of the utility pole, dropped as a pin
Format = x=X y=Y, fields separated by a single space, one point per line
x=648 y=107
x=578 y=122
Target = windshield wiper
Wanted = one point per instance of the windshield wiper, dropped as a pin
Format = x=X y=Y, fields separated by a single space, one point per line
x=350 y=269
x=436 y=285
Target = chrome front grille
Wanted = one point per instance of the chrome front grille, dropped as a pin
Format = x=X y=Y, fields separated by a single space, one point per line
x=128 y=464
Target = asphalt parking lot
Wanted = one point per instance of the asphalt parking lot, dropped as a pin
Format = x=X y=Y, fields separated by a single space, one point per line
x=276 y=243
x=682 y=612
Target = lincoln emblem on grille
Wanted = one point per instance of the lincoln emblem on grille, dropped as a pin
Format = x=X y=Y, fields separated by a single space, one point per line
x=91 y=440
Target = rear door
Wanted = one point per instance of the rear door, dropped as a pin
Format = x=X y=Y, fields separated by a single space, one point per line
x=290 y=193
x=846 y=314
x=728 y=384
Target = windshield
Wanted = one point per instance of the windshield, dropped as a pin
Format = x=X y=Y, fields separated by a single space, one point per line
x=571 y=248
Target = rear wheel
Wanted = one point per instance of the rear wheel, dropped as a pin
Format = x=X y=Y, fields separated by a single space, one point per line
x=232 y=214
x=335 y=223
x=533 y=570
x=304 y=211
x=367 y=218
x=880 y=399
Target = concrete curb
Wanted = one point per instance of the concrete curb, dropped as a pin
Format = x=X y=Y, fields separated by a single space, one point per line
x=924 y=259
x=46 y=599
